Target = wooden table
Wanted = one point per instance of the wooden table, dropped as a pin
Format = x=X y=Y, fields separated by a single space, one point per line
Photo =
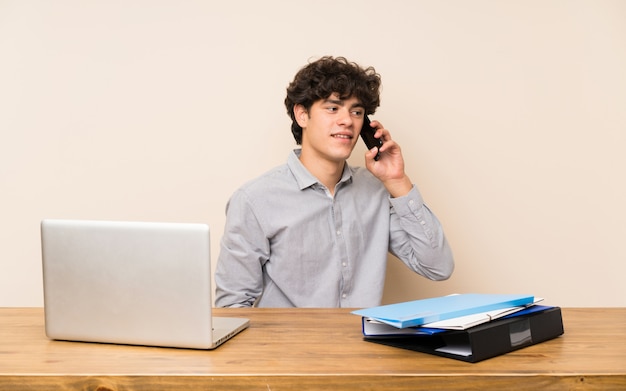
x=302 y=349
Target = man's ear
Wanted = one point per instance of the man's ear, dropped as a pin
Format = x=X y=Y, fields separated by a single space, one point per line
x=301 y=114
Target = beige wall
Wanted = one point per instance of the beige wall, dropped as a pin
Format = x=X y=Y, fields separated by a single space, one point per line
x=511 y=115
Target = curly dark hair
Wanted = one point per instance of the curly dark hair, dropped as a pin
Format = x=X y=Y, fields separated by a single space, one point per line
x=326 y=76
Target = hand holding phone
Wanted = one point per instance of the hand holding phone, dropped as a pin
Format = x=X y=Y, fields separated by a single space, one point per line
x=367 y=134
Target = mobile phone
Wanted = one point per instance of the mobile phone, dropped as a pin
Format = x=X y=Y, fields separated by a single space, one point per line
x=367 y=134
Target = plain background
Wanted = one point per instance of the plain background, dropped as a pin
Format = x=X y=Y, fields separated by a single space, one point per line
x=511 y=116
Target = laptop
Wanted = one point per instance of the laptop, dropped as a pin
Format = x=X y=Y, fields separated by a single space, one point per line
x=135 y=283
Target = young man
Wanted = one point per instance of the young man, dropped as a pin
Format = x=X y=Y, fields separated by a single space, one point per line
x=315 y=232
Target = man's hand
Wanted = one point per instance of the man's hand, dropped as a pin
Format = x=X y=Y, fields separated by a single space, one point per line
x=389 y=168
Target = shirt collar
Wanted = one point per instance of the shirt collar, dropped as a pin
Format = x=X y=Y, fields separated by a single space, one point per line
x=304 y=177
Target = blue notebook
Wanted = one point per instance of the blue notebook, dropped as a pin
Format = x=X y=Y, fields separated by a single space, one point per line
x=419 y=312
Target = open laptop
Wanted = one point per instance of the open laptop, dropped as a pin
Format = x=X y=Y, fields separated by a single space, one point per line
x=131 y=283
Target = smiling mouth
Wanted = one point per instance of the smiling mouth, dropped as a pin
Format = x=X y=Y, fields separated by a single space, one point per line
x=343 y=136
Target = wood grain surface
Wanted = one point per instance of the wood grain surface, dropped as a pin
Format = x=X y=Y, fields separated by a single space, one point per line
x=310 y=349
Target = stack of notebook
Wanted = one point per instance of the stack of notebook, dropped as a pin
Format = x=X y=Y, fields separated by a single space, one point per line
x=467 y=327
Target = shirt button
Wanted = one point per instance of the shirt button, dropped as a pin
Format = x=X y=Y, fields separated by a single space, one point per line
x=343 y=264
x=344 y=295
x=338 y=233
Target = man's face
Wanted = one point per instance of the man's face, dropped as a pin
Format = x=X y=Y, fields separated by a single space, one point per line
x=331 y=127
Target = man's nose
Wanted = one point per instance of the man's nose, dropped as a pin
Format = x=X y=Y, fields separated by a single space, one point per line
x=345 y=118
